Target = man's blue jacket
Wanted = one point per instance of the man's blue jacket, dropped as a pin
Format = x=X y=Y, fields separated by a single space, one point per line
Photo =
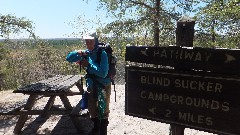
x=99 y=70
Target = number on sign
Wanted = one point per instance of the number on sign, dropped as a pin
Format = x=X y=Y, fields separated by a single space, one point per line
x=168 y=113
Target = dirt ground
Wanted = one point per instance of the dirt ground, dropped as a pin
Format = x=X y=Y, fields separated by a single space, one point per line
x=120 y=124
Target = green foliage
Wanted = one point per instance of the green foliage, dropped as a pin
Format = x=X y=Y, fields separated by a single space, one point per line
x=30 y=63
x=152 y=21
x=145 y=22
x=11 y=25
x=3 y=52
x=59 y=43
x=219 y=24
x=3 y=55
x=26 y=61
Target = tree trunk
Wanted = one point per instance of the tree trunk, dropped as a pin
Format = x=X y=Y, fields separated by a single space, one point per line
x=213 y=31
x=156 y=23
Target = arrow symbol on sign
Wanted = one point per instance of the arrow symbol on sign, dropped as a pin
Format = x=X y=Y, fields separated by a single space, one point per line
x=144 y=52
x=229 y=58
x=152 y=110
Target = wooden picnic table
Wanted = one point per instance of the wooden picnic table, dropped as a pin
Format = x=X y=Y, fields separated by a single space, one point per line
x=52 y=87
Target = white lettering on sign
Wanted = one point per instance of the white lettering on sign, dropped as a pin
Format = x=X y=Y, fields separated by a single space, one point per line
x=199 y=85
x=229 y=58
x=182 y=55
x=152 y=110
x=144 y=52
x=183 y=116
x=195 y=118
x=188 y=101
x=161 y=81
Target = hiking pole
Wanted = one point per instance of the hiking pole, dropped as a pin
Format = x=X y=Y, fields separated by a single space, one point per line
x=80 y=67
x=115 y=93
x=114 y=90
x=80 y=84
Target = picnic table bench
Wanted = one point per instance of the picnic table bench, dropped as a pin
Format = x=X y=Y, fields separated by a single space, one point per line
x=52 y=87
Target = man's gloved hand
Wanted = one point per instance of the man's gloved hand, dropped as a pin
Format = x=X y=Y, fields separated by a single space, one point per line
x=84 y=63
x=81 y=52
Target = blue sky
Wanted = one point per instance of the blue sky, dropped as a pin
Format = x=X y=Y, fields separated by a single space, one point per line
x=51 y=18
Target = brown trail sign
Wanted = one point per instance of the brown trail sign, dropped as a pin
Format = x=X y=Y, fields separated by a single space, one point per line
x=215 y=60
x=199 y=90
x=201 y=99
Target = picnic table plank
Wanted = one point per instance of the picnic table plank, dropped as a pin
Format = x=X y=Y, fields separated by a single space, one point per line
x=55 y=84
x=40 y=85
x=37 y=112
x=68 y=83
x=62 y=83
x=50 y=93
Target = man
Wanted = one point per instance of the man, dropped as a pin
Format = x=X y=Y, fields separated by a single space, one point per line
x=97 y=81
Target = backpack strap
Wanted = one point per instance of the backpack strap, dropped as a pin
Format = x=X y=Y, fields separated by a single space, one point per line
x=99 y=55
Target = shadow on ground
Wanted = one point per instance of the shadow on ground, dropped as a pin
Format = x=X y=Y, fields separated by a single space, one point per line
x=63 y=127
x=33 y=126
x=7 y=121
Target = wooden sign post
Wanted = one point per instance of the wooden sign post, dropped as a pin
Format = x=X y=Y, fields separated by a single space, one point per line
x=184 y=37
x=185 y=32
